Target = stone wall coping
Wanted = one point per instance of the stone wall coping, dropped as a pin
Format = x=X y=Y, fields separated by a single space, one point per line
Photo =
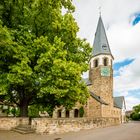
x=82 y=118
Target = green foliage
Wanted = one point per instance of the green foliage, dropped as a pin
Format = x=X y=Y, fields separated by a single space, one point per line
x=41 y=57
x=81 y=112
x=33 y=111
x=136 y=108
x=14 y=112
x=136 y=113
x=135 y=116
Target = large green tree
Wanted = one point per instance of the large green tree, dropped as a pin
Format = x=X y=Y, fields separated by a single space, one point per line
x=41 y=57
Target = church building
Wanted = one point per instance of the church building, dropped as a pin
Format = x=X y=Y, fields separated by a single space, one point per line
x=102 y=103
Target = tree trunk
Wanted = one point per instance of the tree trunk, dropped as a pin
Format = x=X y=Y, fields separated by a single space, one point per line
x=23 y=109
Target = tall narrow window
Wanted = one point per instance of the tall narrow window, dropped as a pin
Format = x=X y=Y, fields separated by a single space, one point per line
x=67 y=114
x=105 y=61
x=59 y=114
x=76 y=113
x=96 y=63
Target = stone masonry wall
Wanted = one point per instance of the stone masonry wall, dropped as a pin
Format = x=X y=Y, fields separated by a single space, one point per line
x=7 y=123
x=55 y=126
x=93 y=108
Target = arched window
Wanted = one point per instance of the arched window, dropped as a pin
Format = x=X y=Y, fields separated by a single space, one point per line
x=59 y=113
x=96 y=63
x=67 y=114
x=76 y=113
x=105 y=61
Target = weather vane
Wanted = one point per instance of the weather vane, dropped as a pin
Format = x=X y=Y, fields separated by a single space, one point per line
x=100 y=10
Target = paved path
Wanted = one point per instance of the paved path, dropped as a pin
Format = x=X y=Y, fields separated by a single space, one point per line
x=129 y=131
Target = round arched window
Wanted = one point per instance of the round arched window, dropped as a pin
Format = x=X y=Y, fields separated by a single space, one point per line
x=105 y=61
x=96 y=63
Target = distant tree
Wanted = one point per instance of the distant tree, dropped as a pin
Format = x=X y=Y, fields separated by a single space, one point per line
x=136 y=113
x=41 y=57
x=136 y=108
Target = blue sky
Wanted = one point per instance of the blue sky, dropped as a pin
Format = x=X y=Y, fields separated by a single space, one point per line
x=123 y=32
x=134 y=93
x=118 y=65
x=117 y=72
x=136 y=19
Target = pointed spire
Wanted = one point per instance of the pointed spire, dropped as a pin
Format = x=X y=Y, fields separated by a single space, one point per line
x=100 y=45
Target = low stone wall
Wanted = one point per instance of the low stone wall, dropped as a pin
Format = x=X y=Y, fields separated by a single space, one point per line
x=7 y=123
x=54 y=126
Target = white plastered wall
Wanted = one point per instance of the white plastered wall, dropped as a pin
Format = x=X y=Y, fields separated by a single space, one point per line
x=100 y=60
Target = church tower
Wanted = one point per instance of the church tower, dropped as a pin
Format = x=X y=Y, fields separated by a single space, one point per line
x=101 y=71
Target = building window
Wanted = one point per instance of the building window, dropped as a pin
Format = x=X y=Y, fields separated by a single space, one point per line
x=105 y=61
x=76 y=113
x=67 y=114
x=59 y=114
x=104 y=47
x=96 y=63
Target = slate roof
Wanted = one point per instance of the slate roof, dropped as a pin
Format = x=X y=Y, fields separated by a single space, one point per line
x=119 y=101
x=100 y=45
x=97 y=98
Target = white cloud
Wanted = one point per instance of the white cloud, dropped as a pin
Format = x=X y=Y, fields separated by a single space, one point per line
x=129 y=78
x=131 y=101
x=113 y=12
x=124 y=40
x=122 y=93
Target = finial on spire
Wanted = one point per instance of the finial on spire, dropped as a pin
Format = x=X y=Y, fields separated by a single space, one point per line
x=100 y=10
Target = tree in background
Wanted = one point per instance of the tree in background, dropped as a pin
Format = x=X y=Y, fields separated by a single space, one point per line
x=136 y=113
x=41 y=57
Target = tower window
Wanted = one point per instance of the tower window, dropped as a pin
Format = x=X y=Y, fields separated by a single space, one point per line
x=105 y=61
x=104 y=47
x=96 y=63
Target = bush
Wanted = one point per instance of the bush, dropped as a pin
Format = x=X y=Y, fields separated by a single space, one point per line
x=33 y=111
x=81 y=112
x=135 y=116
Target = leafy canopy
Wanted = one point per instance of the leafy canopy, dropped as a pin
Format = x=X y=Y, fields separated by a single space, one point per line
x=41 y=57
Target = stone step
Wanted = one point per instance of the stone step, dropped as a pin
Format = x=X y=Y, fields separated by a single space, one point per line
x=24 y=126
x=23 y=129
